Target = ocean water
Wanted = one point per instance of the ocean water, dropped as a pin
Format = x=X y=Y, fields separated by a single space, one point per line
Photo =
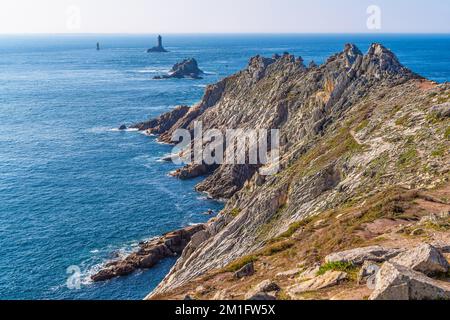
x=76 y=192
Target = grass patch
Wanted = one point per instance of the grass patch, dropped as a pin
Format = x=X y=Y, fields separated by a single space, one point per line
x=377 y=168
x=408 y=157
x=238 y=264
x=347 y=267
x=402 y=121
x=447 y=133
x=283 y=296
x=294 y=227
x=362 y=126
x=336 y=266
x=439 y=152
x=235 y=212
x=340 y=145
x=276 y=248
x=268 y=251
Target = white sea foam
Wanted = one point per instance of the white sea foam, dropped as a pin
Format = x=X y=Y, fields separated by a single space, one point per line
x=152 y=70
x=126 y=130
x=98 y=130
x=100 y=258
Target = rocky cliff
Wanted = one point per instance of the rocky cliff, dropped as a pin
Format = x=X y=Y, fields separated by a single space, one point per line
x=356 y=128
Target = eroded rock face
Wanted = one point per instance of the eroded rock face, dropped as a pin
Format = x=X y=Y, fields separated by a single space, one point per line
x=149 y=254
x=396 y=282
x=425 y=258
x=360 y=255
x=339 y=140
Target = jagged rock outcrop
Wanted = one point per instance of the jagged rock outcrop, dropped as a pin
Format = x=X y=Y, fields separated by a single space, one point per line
x=396 y=282
x=164 y=122
x=425 y=258
x=359 y=255
x=149 y=254
x=349 y=128
x=187 y=68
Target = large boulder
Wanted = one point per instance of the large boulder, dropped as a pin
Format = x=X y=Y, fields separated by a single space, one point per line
x=329 y=279
x=245 y=271
x=359 y=255
x=424 y=258
x=396 y=282
x=263 y=289
x=367 y=273
x=309 y=273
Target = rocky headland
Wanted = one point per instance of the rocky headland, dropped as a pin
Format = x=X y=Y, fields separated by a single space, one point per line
x=187 y=68
x=360 y=207
x=149 y=253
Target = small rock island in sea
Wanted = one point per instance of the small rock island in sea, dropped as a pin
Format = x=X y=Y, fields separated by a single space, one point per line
x=187 y=68
x=159 y=47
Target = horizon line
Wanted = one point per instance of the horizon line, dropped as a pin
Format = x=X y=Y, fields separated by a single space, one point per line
x=222 y=33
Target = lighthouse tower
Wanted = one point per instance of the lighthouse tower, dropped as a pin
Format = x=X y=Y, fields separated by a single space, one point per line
x=159 y=47
x=160 y=41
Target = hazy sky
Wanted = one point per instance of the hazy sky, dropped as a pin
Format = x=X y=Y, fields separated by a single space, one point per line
x=222 y=16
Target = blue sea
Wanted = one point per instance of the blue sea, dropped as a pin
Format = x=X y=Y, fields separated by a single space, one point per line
x=76 y=192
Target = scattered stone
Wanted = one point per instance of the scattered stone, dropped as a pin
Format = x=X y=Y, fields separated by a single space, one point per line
x=309 y=273
x=188 y=298
x=201 y=290
x=367 y=271
x=264 y=287
x=320 y=223
x=245 y=271
x=359 y=255
x=289 y=274
x=396 y=282
x=329 y=279
x=425 y=258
